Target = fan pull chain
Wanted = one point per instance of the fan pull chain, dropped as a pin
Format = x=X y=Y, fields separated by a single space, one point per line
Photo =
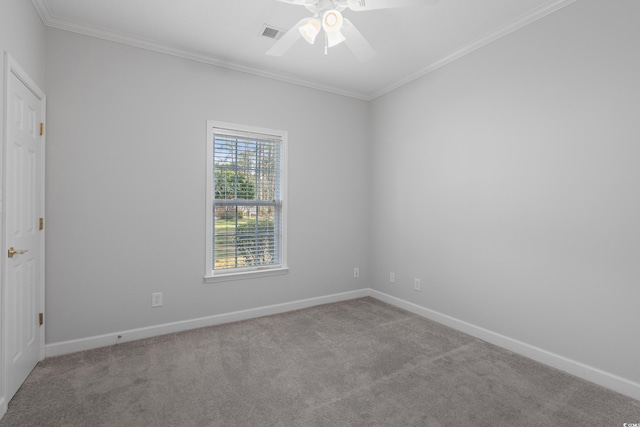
x=326 y=44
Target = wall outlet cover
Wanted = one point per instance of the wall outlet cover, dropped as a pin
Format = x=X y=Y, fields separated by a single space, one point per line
x=156 y=299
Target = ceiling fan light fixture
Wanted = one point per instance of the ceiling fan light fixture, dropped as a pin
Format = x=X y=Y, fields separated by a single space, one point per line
x=332 y=21
x=310 y=30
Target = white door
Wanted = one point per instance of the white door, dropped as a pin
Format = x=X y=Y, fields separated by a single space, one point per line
x=23 y=250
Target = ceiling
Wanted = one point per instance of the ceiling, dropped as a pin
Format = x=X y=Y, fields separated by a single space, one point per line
x=410 y=42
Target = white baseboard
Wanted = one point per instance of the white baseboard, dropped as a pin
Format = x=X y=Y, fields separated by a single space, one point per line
x=89 y=343
x=3 y=407
x=589 y=373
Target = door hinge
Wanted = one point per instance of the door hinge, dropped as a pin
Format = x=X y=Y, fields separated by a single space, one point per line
x=41 y=224
x=41 y=318
x=41 y=129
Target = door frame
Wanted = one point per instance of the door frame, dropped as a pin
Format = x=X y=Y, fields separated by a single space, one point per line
x=12 y=67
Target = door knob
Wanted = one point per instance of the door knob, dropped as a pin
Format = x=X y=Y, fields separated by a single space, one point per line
x=13 y=252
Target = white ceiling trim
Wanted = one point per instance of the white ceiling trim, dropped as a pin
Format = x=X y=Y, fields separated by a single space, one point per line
x=508 y=28
x=118 y=37
x=51 y=21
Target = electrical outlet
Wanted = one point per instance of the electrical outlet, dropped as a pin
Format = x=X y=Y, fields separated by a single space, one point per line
x=416 y=284
x=392 y=277
x=156 y=299
x=356 y=272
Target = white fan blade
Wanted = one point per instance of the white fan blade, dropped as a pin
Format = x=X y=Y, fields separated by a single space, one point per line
x=360 y=5
x=286 y=41
x=356 y=42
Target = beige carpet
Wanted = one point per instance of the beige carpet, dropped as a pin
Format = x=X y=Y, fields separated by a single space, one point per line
x=354 y=363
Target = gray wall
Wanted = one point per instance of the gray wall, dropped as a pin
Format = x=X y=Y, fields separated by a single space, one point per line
x=126 y=187
x=22 y=35
x=509 y=182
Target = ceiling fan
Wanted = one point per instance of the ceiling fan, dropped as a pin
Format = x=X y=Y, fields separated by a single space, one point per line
x=327 y=16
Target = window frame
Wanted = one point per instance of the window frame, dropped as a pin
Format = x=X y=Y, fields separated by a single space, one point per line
x=211 y=275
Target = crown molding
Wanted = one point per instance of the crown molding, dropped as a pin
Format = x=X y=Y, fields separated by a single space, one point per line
x=50 y=20
x=498 y=33
x=43 y=10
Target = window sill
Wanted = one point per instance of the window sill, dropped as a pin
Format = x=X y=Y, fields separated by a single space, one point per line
x=226 y=277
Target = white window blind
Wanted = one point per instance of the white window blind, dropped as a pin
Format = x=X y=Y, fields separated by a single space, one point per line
x=246 y=216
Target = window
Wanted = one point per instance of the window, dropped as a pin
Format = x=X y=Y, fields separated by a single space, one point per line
x=245 y=201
